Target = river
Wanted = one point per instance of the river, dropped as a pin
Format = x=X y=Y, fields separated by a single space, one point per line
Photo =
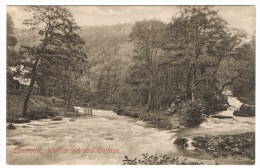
x=94 y=135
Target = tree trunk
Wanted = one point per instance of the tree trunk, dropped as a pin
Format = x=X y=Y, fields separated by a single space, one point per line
x=193 y=83
x=188 y=88
x=28 y=95
x=150 y=93
x=149 y=100
x=70 y=96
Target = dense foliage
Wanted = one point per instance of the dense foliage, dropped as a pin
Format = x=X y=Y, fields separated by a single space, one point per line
x=150 y=64
x=191 y=113
x=11 y=53
x=57 y=53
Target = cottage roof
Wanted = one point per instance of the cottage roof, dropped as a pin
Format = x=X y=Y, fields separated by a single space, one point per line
x=24 y=81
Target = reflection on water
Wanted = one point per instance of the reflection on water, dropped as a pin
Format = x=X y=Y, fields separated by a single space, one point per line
x=106 y=131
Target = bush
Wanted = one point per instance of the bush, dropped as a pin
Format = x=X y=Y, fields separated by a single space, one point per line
x=216 y=104
x=165 y=160
x=157 y=119
x=41 y=113
x=191 y=113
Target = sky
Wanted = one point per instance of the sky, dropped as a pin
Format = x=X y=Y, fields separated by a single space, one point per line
x=237 y=16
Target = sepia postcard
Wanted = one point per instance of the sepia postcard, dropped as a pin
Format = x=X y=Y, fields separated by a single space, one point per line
x=130 y=85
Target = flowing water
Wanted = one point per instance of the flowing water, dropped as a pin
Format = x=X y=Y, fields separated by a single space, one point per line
x=94 y=139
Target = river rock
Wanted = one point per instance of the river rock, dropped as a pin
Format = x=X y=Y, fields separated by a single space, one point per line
x=18 y=120
x=56 y=118
x=236 y=146
x=72 y=120
x=181 y=142
x=25 y=126
x=222 y=117
x=174 y=127
x=119 y=110
x=11 y=127
x=245 y=110
x=226 y=105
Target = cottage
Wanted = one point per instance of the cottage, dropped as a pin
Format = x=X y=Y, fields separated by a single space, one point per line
x=20 y=80
x=24 y=84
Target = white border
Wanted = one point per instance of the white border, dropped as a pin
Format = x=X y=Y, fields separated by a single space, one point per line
x=4 y=3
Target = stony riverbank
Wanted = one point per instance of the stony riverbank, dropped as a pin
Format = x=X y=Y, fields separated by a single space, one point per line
x=158 y=119
x=240 y=146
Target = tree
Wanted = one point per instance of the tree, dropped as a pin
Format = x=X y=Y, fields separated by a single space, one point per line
x=60 y=42
x=147 y=37
x=244 y=60
x=11 y=53
x=200 y=40
x=11 y=41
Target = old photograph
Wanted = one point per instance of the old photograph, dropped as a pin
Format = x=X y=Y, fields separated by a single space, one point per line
x=130 y=85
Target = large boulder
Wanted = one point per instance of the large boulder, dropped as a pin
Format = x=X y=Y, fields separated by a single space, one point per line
x=56 y=118
x=245 y=110
x=222 y=117
x=11 y=127
x=118 y=109
x=72 y=120
x=181 y=142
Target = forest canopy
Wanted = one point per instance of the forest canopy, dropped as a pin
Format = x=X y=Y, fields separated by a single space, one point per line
x=151 y=63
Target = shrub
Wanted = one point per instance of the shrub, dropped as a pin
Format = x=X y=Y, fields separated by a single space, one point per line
x=216 y=103
x=164 y=160
x=41 y=113
x=191 y=113
x=157 y=119
x=150 y=160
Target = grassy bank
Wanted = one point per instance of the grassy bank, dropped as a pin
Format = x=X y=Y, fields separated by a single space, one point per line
x=15 y=104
